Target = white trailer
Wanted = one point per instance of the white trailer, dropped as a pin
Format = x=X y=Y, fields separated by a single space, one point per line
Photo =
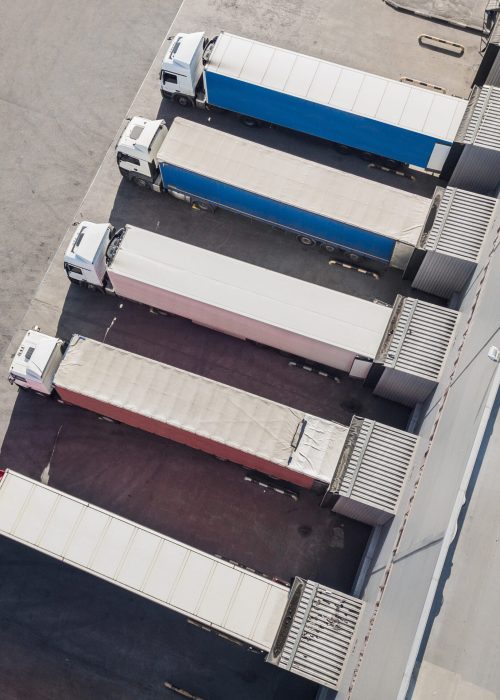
x=236 y=603
x=231 y=296
x=360 y=337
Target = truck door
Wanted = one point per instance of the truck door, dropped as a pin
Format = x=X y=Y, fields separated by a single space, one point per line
x=75 y=274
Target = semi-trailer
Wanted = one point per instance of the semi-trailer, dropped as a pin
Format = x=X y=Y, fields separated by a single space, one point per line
x=302 y=319
x=282 y=442
x=367 y=112
x=400 y=351
x=210 y=168
x=305 y=628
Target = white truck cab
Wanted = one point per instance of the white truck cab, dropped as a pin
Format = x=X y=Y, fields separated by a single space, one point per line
x=36 y=362
x=85 y=257
x=182 y=67
x=137 y=149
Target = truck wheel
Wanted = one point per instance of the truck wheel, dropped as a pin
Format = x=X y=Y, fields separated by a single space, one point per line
x=183 y=101
x=139 y=181
x=328 y=247
x=204 y=206
x=305 y=240
x=249 y=121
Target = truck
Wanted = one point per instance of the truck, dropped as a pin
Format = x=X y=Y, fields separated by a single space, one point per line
x=259 y=434
x=209 y=168
x=366 y=339
x=299 y=318
x=268 y=616
x=263 y=83
x=231 y=424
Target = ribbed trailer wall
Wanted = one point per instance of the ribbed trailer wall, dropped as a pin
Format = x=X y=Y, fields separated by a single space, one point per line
x=412 y=354
x=371 y=471
x=453 y=243
x=207 y=415
x=344 y=105
x=316 y=633
x=300 y=318
x=215 y=593
x=474 y=161
x=307 y=198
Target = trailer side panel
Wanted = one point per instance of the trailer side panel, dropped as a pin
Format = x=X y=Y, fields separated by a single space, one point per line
x=303 y=319
x=322 y=121
x=271 y=211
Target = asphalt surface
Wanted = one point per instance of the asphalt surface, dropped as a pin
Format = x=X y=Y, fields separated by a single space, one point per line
x=467 y=13
x=72 y=635
x=69 y=72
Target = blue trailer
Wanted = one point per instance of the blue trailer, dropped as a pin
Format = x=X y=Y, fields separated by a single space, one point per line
x=317 y=203
x=395 y=120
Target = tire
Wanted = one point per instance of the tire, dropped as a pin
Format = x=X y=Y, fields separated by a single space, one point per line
x=251 y=122
x=139 y=181
x=203 y=206
x=305 y=240
x=183 y=101
x=328 y=247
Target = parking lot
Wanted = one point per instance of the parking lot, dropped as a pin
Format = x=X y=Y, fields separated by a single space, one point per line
x=66 y=634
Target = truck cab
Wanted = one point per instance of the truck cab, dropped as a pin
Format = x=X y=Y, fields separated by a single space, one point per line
x=137 y=149
x=36 y=362
x=182 y=68
x=85 y=257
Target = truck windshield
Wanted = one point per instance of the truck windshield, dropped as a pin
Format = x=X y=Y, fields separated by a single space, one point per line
x=169 y=77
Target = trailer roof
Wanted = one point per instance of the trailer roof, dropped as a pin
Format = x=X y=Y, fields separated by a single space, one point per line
x=200 y=406
x=390 y=101
x=216 y=593
x=295 y=181
x=336 y=319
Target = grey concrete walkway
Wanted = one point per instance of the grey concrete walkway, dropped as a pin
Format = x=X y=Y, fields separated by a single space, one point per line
x=69 y=70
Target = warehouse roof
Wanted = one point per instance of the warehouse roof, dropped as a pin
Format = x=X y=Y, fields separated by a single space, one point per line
x=372 y=96
x=200 y=406
x=306 y=185
x=333 y=318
